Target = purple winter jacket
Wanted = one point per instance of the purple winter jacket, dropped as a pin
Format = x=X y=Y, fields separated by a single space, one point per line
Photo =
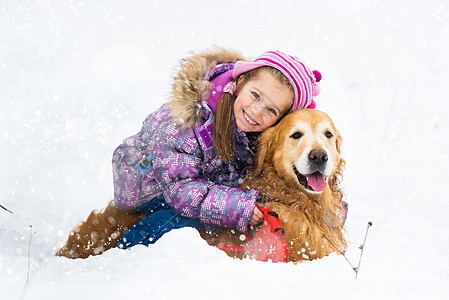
x=185 y=168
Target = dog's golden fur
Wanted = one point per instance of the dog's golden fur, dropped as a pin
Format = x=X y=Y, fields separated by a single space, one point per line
x=312 y=221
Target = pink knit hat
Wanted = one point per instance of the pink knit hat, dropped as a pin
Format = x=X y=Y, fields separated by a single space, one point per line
x=303 y=80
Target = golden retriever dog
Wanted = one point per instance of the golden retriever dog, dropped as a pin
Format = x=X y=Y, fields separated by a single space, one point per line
x=298 y=171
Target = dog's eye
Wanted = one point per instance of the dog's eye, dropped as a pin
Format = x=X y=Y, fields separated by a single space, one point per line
x=328 y=134
x=296 y=135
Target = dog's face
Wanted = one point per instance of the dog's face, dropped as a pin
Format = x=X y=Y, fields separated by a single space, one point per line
x=304 y=149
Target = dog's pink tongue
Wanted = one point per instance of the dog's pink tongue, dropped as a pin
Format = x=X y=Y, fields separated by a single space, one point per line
x=316 y=181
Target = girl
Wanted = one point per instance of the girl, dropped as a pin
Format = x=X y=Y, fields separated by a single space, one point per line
x=183 y=167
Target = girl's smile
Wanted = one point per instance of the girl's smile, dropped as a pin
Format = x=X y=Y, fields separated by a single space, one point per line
x=247 y=118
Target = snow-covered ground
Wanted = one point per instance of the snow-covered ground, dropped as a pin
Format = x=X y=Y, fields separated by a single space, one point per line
x=77 y=77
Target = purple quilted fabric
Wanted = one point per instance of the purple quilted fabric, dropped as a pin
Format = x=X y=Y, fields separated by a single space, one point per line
x=186 y=170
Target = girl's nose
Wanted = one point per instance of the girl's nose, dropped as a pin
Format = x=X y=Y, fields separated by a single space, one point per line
x=257 y=109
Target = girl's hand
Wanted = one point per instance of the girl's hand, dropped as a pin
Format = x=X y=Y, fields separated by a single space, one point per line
x=256 y=217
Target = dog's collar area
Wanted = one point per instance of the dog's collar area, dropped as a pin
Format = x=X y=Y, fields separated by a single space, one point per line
x=268 y=243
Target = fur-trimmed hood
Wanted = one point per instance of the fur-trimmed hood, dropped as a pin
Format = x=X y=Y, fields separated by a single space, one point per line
x=190 y=86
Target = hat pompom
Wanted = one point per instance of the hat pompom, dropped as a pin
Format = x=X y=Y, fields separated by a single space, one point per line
x=317 y=75
x=312 y=105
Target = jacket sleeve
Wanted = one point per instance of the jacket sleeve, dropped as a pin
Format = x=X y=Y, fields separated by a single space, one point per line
x=131 y=187
x=179 y=172
x=127 y=179
x=179 y=168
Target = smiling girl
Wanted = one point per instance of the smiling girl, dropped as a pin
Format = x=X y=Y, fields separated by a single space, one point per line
x=182 y=169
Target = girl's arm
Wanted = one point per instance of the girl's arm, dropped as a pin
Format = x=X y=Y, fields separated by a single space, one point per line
x=131 y=187
x=127 y=178
x=188 y=192
x=179 y=171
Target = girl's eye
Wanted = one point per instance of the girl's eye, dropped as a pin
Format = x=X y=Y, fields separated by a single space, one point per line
x=256 y=95
x=273 y=111
x=328 y=134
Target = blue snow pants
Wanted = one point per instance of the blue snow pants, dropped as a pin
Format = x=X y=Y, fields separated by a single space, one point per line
x=161 y=220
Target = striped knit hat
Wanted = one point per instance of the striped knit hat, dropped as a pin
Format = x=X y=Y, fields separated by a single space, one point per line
x=303 y=80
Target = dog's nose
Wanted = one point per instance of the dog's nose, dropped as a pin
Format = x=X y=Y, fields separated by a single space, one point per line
x=318 y=156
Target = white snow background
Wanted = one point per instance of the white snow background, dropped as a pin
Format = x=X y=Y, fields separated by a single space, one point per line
x=78 y=77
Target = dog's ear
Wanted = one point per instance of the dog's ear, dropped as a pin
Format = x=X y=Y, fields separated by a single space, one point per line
x=338 y=142
x=263 y=148
x=337 y=176
x=335 y=180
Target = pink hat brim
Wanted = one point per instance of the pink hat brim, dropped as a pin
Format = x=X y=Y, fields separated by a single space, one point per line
x=241 y=67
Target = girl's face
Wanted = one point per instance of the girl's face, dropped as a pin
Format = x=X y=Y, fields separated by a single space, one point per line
x=261 y=102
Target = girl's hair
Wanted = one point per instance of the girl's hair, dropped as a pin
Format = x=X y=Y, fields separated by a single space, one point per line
x=224 y=130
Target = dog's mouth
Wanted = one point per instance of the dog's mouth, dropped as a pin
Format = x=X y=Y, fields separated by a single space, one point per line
x=314 y=182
